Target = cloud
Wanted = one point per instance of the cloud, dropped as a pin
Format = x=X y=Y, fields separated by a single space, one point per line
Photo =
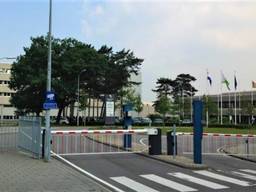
x=178 y=37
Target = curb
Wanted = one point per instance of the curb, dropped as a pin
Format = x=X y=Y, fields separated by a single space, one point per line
x=237 y=156
x=175 y=163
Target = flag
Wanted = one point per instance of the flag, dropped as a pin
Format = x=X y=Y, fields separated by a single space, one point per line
x=235 y=82
x=224 y=80
x=209 y=79
x=253 y=84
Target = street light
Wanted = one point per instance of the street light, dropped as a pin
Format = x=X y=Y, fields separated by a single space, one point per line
x=47 y=149
x=78 y=95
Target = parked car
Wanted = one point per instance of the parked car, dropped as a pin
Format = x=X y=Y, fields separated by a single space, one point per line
x=63 y=120
x=157 y=121
x=136 y=121
x=146 y=121
x=186 y=122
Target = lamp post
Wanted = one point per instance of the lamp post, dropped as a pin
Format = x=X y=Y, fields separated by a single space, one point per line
x=78 y=95
x=47 y=150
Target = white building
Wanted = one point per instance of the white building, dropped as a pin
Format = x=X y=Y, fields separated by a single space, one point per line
x=6 y=109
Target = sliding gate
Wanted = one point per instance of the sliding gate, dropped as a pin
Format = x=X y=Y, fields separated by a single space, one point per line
x=99 y=141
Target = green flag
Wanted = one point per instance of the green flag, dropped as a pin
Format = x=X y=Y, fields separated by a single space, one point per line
x=225 y=81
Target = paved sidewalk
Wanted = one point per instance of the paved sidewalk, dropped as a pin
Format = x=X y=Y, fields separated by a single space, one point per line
x=21 y=173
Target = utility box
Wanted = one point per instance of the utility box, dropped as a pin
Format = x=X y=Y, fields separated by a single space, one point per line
x=170 y=143
x=155 y=143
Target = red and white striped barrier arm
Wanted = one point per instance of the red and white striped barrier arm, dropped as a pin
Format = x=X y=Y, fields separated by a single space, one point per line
x=104 y=131
x=219 y=134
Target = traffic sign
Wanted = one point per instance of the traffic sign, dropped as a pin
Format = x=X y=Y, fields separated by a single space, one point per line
x=50 y=106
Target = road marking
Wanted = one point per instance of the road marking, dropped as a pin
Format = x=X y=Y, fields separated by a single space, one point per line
x=168 y=183
x=198 y=181
x=133 y=184
x=244 y=175
x=97 y=153
x=248 y=171
x=141 y=141
x=223 y=178
x=88 y=174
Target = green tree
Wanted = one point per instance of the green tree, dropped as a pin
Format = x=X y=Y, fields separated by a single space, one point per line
x=182 y=88
x=28 y=77
x=134 y=99
x=163 y=106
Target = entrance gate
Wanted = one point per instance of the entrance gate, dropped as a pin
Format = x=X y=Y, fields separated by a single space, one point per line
x=99 y=141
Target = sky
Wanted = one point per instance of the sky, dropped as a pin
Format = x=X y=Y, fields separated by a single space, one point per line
x=172 y=37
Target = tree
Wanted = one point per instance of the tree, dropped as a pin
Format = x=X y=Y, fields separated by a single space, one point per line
x=182 y=88
x=164 y=87
x=105 y=72
x=134 y=99
x=209 y=105
x=28 y=77
x=163 y=105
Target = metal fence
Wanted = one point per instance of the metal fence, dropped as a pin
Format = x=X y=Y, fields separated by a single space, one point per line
x=29 y=135
x=8 y=138
x=97 y=141
x=215 y=143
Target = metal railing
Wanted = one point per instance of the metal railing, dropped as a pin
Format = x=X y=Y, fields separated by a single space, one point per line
x=8 y=138
x=29 y=135
x=216 y=143
x=98 y=141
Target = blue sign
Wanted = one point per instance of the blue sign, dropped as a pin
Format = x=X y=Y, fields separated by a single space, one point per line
x=50 y=97
x=50 y=102
x=50 y=106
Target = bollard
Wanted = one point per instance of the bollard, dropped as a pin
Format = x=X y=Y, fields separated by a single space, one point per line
x=170 y=143
x=155 y=143
x=127 y=144
x=198 y=131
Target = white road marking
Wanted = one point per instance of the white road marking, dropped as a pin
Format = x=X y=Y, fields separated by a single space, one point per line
x=248 y=171
x=168 y=183
x=88 y=174
x=198 y=181
x=244 y=175
x=133 y=184
x=223 y=178
x=97 y=153
x=141 y=141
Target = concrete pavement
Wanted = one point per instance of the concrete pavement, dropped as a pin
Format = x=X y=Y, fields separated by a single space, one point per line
x=21 y=173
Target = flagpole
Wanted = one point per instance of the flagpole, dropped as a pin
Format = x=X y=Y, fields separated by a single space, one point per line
x=206 y=99
x=240 y=109
x=221 y=120
x=218 y=108
x=235 y=83
x=229 y=108
x=191 y=105
x=252 y=104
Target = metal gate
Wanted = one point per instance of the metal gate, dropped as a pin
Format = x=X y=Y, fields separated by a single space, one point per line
x=8 y=138
x=239 y=144
x=29 y=135
x=98 y=141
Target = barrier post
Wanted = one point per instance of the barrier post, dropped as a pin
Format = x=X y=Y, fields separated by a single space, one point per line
x=127 y=125
x=198 y=131
x=155 y=143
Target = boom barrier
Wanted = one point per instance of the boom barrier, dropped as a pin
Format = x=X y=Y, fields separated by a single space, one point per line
x=72 y=142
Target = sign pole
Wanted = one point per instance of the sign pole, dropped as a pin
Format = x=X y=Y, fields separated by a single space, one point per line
x=47 y=151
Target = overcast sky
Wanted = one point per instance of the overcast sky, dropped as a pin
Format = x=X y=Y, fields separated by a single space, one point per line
x=172 y=36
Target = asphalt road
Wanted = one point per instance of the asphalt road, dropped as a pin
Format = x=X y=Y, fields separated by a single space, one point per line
x=132 y=172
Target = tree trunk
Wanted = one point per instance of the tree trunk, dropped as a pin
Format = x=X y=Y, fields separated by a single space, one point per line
x=59 y=115
x=93 y=108
x=89 y=108
x=97 y=108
